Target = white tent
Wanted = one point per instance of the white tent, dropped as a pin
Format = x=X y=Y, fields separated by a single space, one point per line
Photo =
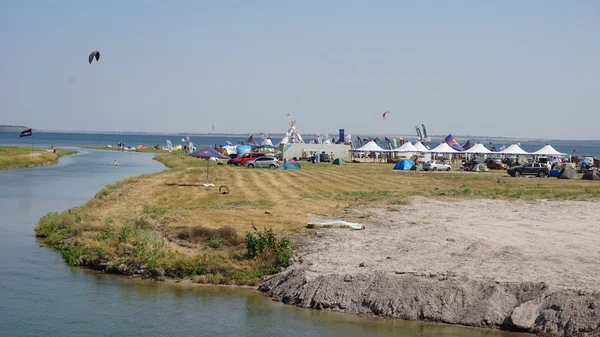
x=370 y=147
x=421 y=147
x=266 y=141
x=478 y=148
x=292 y=135
x=443 y=148
x=548 y=150
x=514 y=149
x=406 y=147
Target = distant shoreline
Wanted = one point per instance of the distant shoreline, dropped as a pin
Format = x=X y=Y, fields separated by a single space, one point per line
x=409 y=136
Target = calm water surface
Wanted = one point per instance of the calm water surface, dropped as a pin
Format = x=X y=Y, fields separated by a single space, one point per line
x=41 y=296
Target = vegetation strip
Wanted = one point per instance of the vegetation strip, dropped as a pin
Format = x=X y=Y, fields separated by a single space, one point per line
x=12 y=157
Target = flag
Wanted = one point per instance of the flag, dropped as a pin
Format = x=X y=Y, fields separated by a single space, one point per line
x=26 y=133
x=192 y=148
x=453 y=143
x=170 y=146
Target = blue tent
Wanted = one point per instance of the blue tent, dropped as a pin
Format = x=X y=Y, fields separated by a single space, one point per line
x=241 y=149
x=554 y=173
x=290 y=165
x=404 y=165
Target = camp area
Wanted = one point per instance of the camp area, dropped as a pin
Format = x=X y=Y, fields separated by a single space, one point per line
x=283 y=199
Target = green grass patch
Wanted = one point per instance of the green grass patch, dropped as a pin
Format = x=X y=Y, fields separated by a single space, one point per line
x=20 y=157
x=108 y=189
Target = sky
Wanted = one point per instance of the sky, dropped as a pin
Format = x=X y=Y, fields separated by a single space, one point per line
x=488 y=68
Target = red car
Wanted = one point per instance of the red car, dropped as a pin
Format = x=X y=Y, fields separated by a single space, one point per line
x=495 y=164
x=247 y=157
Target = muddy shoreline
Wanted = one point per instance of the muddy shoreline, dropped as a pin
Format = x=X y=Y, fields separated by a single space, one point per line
x=522 y=307
x=531 y=269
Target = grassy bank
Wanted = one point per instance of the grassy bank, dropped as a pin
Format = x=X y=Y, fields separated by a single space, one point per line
x=167 y=225
x=19 y=157
x=146 y=150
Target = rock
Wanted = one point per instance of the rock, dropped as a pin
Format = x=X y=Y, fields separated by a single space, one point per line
x=388 y=258
x=524 y=315
x=592 y=305
x=267 y=212
x=362 y=264
x=348 y=278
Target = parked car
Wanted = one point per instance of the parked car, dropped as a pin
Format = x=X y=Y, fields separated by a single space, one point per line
x=263 y=162
x=495 y=164
x=241 y=160
x=536 y=169
x=436 y=165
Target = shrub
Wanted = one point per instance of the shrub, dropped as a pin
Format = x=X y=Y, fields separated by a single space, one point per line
x=265 y=242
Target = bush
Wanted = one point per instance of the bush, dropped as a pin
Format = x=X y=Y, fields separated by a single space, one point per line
x=265 y=242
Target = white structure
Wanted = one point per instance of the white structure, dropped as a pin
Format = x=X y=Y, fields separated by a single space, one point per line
x=478 y=148
x=443 y=148
x=370 y=147
x=406 y=147
x=514 y=149
x=266 y=141
x=303 y=151
x=421 y=147
x=548 y=150
x=292 y=135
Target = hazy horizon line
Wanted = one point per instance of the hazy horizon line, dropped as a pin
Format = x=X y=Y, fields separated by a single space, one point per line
x=278 y=133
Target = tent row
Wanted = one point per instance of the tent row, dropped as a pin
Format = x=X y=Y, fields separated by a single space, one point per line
x=444 y=148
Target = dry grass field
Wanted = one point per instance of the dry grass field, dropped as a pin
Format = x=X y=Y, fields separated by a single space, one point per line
x=18 y=157
x=194 y=231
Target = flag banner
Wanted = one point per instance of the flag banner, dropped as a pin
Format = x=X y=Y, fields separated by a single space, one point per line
x=26 y=133
x=453 y=143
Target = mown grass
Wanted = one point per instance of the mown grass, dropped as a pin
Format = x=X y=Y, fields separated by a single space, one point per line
x=113 y=148
x=20 y=157
x=168 y=225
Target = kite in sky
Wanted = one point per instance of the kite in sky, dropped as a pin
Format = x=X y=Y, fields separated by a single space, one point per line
x=385 y=114
x=288 y=115
x=95 y=54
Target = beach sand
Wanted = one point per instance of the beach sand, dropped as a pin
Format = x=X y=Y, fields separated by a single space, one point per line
x=557 y=242
x=525 y=265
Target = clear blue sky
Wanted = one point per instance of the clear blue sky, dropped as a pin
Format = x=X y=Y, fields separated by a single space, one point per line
x=497 y=68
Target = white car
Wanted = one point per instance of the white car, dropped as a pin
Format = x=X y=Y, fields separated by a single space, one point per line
x=436 y=165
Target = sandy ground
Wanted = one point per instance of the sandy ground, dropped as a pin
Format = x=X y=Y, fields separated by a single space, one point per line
x=557 y=242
